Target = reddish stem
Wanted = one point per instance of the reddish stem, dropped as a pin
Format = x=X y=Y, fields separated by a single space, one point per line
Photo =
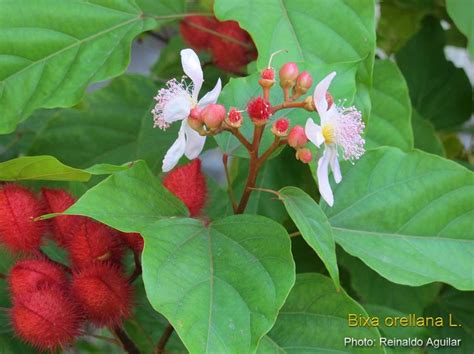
x=160 y=347
x=287 y=105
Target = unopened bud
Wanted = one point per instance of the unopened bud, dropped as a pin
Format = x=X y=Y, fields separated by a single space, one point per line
x=234 y=119
x=288 y=74
x=297 y=137
x=213 y=115
x=329 y=99
x=280 y=127
x=195 y=121
x=304 y=82
x=304 y=155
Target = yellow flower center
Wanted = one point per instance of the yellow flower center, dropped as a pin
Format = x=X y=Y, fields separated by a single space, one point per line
x=328 y=133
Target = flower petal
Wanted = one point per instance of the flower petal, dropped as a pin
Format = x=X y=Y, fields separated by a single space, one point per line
x=192 y=68
x=176 y=150
x=323 y=178
x=194 y=142
x=212 y=96
x=319 y=95
x=177 y=108
x=334 y=163
x=314 y=132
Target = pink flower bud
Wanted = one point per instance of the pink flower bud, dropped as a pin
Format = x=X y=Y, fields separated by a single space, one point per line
x=213 y=115
x=297 y=137
x=280 y=127
x=194 y=119
x=303 y=83
x=329 y=99
x=304 y=155
x=288 y=74
x=234 y=118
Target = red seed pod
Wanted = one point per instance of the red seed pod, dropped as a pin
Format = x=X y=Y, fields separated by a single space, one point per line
x=57 y=201
x=103 y=293
x=288 y=74
x=268 y=74
x=213 y=115
x=304 y=155
x=259 y=110
x=34 y=274
x=231 y=54
x=18 y=207
x=297 y=137
x=94 y=242
x=188 y=183
x=234 y=118
x=133 y=240
x=47 y=319
x=280 y=127
x=193 y=29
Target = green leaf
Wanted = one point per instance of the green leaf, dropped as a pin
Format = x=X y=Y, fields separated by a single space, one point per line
x=313 y=225
x=129 y=201
x=220 y=286
x=50 y=57
x=49 y=168
x=405 y=215
x=314 y=320
x=390 y=121
x=162 y=8
x=425 y=135
x=335 y=32
x=439 y=91
x=238 y=92
x=461 y=13
x=114 y=125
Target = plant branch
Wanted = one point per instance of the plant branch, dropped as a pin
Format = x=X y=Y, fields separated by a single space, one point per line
x=294 y=234
x=276 y=143
x=287 y=104
x=160 y=347
x=3 y=276
x=236 y=132
x=127 y=343
x=225 y=160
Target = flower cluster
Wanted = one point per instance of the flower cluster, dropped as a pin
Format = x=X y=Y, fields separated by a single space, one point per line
x=51 y=301
x=339 y=130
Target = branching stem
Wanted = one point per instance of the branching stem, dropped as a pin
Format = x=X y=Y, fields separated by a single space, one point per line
x=160 y=347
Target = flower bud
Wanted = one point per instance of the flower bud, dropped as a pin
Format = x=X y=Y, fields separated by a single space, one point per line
x=288 y=74
x=259 y=110
x=280 y=127
x=303 y=83
x=213 y=115
x=309 y=104
x=234 y=119
x=297 y=137
x=304 y=155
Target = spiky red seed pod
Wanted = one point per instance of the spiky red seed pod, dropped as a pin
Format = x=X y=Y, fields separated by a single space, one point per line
x=231 y=55
x=103 y=293
x=18 y=207
x=193 y=30
x=268 y=74
x=213 y=115
x=57 y=201
x=47 y=319
x=259 y=110
x=188 y=183
x=34 y=274
x=94 y=242
x=133 y=240
x=280 y=127
x=297 y=137
x=234 y=118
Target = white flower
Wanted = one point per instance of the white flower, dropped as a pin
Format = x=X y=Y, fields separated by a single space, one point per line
x=175 y=102
x=340 y=127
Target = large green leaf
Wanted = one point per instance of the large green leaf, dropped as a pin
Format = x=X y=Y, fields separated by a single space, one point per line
x=52 y=49
x=313 y=225
x=390 y=122
x=425 y=135
x=461 y=12
x=408 y=216
x=128 y=201
x=439 y=91
x=220 y=285
x=314 y=319
x=238 y=92
x=113 y=125
x=49 y=168
x=315 y=31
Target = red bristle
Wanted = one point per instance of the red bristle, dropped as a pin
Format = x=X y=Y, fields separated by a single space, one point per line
x=57 y=201
x=31 y=275
x=188 y=183
x=133 y=240
x=94 y=242
x=18 y=207
x=103 y=293
x=193 y=29
x=47 y=319
x=259 y=109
